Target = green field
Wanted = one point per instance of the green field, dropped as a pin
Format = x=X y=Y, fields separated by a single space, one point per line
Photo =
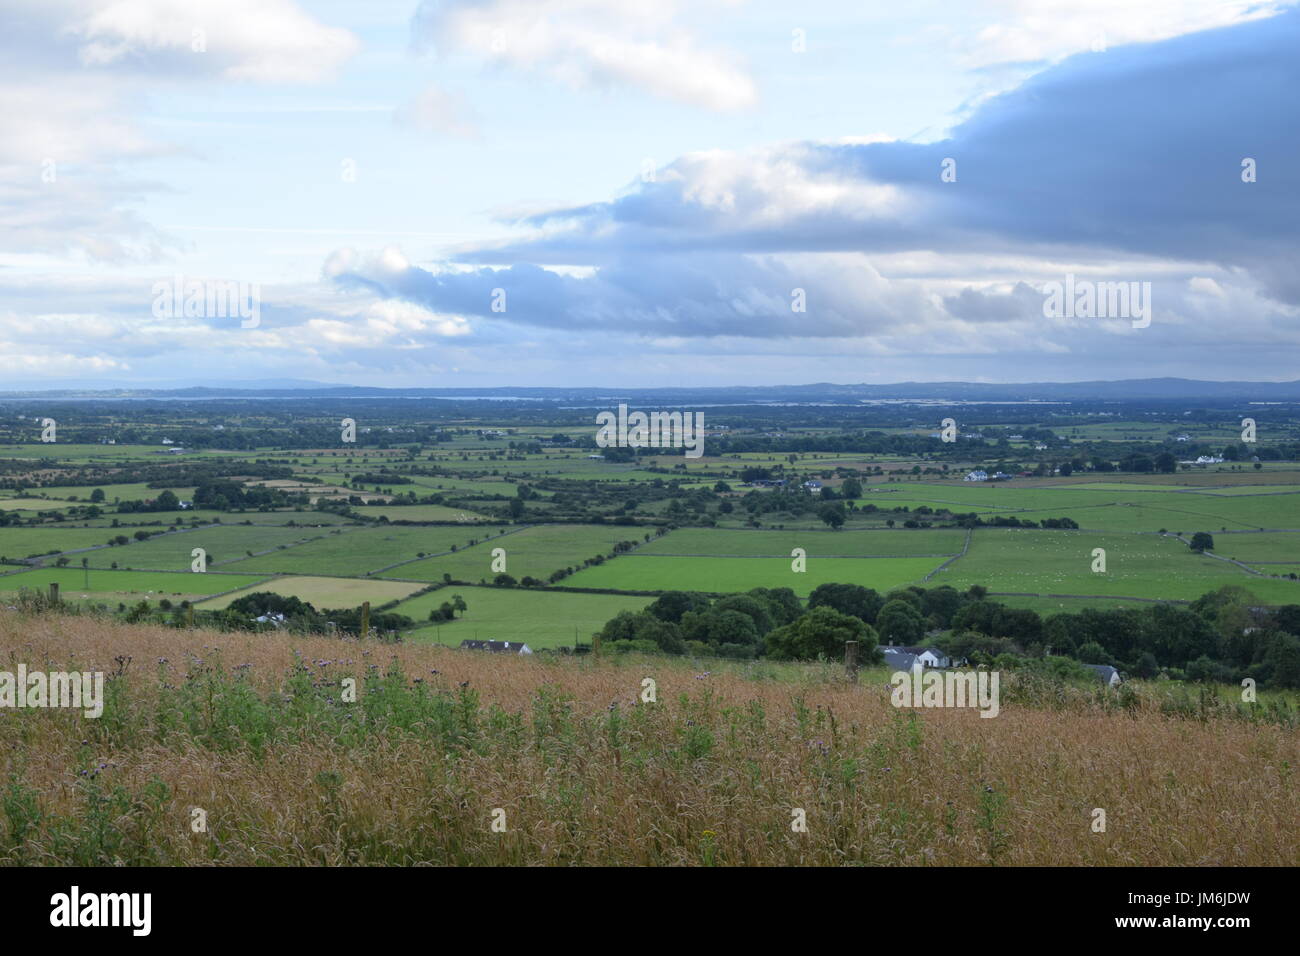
x=322 y=593
x=173 y=551
x=30 y=542
x=125 y=585
x=420 y=513
x=356 y=551
x=725 y=575
x=1060 y=562
x=1106 y=509
x=539 y=618
x=1263 y=546
x=535 y=551
x=135 y=491
x=844 y=544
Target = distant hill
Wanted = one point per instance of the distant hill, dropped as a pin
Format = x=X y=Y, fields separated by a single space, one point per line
x=1151 y=389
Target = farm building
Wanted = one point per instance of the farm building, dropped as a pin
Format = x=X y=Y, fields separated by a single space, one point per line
x=899 y=660
x=926 y=656
x=1106 y=674
x=977 y=475
x=496 y=647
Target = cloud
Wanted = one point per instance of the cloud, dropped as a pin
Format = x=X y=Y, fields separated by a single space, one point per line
x=78 y=75
x=1035 y=31
x=264 y=41
x=1117 y=168
x=1129 y=156
x=590 y=44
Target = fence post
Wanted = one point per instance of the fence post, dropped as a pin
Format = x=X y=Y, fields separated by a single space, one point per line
x=189 y=616
x=365 y=620
x=54 y=592
x=851 y=661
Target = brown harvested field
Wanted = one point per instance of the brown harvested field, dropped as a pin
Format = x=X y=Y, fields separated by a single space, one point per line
x=586 y=774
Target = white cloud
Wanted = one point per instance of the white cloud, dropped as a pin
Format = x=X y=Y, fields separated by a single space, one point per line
x=592 y=44
x=74 y=92
x=1048 y=30
x=266 y=41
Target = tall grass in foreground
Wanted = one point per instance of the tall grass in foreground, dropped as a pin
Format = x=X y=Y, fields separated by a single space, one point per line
x=252 y=729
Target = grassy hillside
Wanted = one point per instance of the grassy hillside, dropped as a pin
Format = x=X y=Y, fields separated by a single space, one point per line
x=253 y=729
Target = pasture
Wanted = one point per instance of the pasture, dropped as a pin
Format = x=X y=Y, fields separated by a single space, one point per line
x=359 y=551
x=535 y=551
x=322 y=593
x=541 y=619
x=1060 y=562
x=172 y=551
x=100 y=585
x=843 y=544
x=725 y=575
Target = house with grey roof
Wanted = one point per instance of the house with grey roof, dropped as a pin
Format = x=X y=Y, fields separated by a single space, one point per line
x=496 y=647
x=1106 y=674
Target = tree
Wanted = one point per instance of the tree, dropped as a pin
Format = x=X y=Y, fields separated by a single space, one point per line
x=823 y=631
x=673 y=604
x=832 y=514
x=97 y=495
x=900 y=623
x=781 y=603
x=459 y=604
x=1093 y=653
x=1147 y=667
x=861 y=602
x=851 y=488
x=1202 y=541
x=751 y=607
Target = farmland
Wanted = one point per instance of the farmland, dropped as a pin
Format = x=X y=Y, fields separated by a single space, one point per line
x=1061 y=562
x=535 y=551
x=726 y=575
x=542 y=619
x=513 y=505
x=100 y=585
x=322 y=592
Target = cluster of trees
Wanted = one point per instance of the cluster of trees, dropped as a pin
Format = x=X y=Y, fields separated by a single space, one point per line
x=166 y=501
x=383 y=477
x=1224 y=636
x=224 y=495
x=681 y=622
x=448 y=610
x=242 y=613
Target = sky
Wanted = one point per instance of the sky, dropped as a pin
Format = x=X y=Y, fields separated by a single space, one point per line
x=646 y=193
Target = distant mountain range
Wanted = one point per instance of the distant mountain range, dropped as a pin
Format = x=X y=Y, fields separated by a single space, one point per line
x=1150 y=389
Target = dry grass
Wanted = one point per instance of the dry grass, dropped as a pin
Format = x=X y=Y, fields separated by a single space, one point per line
x=587 y=774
